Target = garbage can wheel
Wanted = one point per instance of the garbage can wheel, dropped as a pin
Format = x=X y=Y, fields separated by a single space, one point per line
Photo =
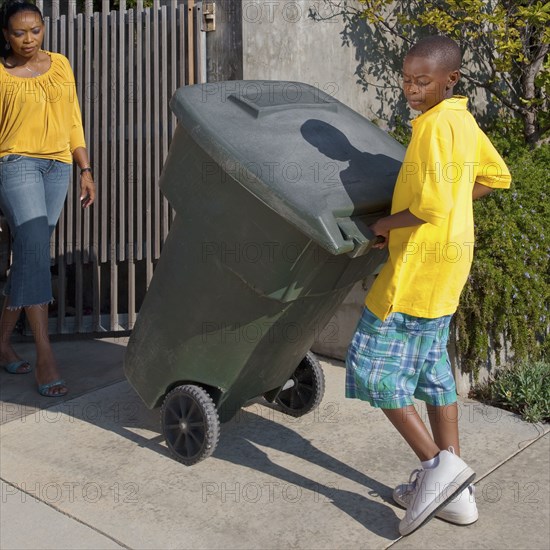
x=190 y=424
x=307 y=390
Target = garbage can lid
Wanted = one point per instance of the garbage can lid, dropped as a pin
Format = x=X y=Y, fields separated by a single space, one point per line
x=306 y=155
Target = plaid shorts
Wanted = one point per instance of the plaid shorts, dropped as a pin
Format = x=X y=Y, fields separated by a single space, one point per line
x=391 y=361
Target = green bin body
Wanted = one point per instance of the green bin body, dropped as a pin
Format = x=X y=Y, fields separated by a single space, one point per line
x=273 y=185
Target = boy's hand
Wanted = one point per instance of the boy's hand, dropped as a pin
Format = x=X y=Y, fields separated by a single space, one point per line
x=381 y=233
x=382 y=227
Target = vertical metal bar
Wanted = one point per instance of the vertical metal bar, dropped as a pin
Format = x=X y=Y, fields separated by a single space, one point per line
x=148 y=167
x=105 y=176
x=40 y=5
x=69 y=203
x=139 y=128
x=191 y=41
x=120 y=142
x=55 y=9
x=89 y=8
x=61 y=225
x=182 y=44
x=164 y=121
x=86 y=105
x=54 y=23
x=157 y=119
x=131 y=174
x=173 y=62
x=200 y=46
x=104 y=79
x=80 y=68
x=115 y=197
x=97 y=163
x=47 y=33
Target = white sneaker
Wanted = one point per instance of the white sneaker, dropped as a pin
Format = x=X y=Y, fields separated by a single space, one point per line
x=460 y=510
x=434 y=488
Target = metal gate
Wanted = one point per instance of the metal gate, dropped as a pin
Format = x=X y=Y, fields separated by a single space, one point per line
x=127 y=64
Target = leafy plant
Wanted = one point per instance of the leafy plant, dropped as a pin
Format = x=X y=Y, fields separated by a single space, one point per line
x=506 y=45
x=523 y=388
x=114 y=4
x=507 y=297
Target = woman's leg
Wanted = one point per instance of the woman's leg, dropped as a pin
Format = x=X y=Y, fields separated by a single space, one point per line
x=32 y=192
x=46 y=365
x=8 y=320
x=23 y=205
x=56 y=181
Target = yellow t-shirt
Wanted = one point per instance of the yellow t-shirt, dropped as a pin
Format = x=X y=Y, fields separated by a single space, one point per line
x=428 y=264
x=40 y=116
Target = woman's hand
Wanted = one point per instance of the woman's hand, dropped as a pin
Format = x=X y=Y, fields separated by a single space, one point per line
x=87 y=189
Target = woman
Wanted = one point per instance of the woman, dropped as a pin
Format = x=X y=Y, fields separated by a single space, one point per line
x=40 y=135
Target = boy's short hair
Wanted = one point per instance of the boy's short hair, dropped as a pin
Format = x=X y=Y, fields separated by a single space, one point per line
x=440 y=48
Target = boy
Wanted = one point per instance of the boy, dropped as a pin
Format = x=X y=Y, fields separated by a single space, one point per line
x=399 y=349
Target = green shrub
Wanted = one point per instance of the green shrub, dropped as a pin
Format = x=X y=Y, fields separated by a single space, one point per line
x=507 y=296
x=523 y=388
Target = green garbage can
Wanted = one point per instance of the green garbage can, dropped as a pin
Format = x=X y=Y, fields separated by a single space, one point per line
x=274 y=185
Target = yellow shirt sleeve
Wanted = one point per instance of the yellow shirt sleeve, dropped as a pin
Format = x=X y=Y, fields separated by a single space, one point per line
x=432 y=192
x=492 y=171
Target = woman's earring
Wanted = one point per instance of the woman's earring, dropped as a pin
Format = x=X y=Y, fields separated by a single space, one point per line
x=8 y=46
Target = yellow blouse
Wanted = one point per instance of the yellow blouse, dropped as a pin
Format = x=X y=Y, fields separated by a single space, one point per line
x=40 y=116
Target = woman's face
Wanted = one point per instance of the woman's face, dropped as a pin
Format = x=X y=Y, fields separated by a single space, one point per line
x=25 y=33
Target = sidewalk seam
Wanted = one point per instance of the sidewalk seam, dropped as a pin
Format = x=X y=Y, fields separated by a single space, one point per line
x=120 y=543
x=513 y=455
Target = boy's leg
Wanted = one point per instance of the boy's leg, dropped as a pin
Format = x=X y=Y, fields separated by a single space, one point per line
x=444 y=424
x=409 y=424
x=462 y=509
x=383 y=366
x=449 y=475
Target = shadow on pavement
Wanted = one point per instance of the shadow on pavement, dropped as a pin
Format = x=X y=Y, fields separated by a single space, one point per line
x=85 y=364
x=100 y=396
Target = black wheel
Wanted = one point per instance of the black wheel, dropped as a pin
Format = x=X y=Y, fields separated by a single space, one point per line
x=190 y=424
x=305 y=389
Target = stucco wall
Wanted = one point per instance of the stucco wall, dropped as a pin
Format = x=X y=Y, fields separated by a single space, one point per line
x=281 y=41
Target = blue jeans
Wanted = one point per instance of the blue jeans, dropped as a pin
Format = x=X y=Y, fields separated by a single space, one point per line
x=32 y=193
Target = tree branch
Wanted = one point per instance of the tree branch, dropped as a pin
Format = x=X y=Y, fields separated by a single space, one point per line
x=496 y=92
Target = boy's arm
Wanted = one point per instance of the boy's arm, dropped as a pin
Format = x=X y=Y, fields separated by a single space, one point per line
x=493 y=172
x=480 y=190
x=383 y=226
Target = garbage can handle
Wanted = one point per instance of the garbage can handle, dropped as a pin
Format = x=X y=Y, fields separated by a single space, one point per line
x=363 y=239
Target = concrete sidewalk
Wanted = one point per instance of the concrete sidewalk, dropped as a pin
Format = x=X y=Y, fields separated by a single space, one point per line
x=92 y=471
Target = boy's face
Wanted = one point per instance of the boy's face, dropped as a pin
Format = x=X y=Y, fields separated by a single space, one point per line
x=426 y=82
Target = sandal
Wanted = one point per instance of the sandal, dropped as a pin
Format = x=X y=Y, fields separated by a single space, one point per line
x=45 y=389
x=14 y=366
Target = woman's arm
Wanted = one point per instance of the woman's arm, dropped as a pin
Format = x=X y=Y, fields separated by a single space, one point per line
x=87 y=185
